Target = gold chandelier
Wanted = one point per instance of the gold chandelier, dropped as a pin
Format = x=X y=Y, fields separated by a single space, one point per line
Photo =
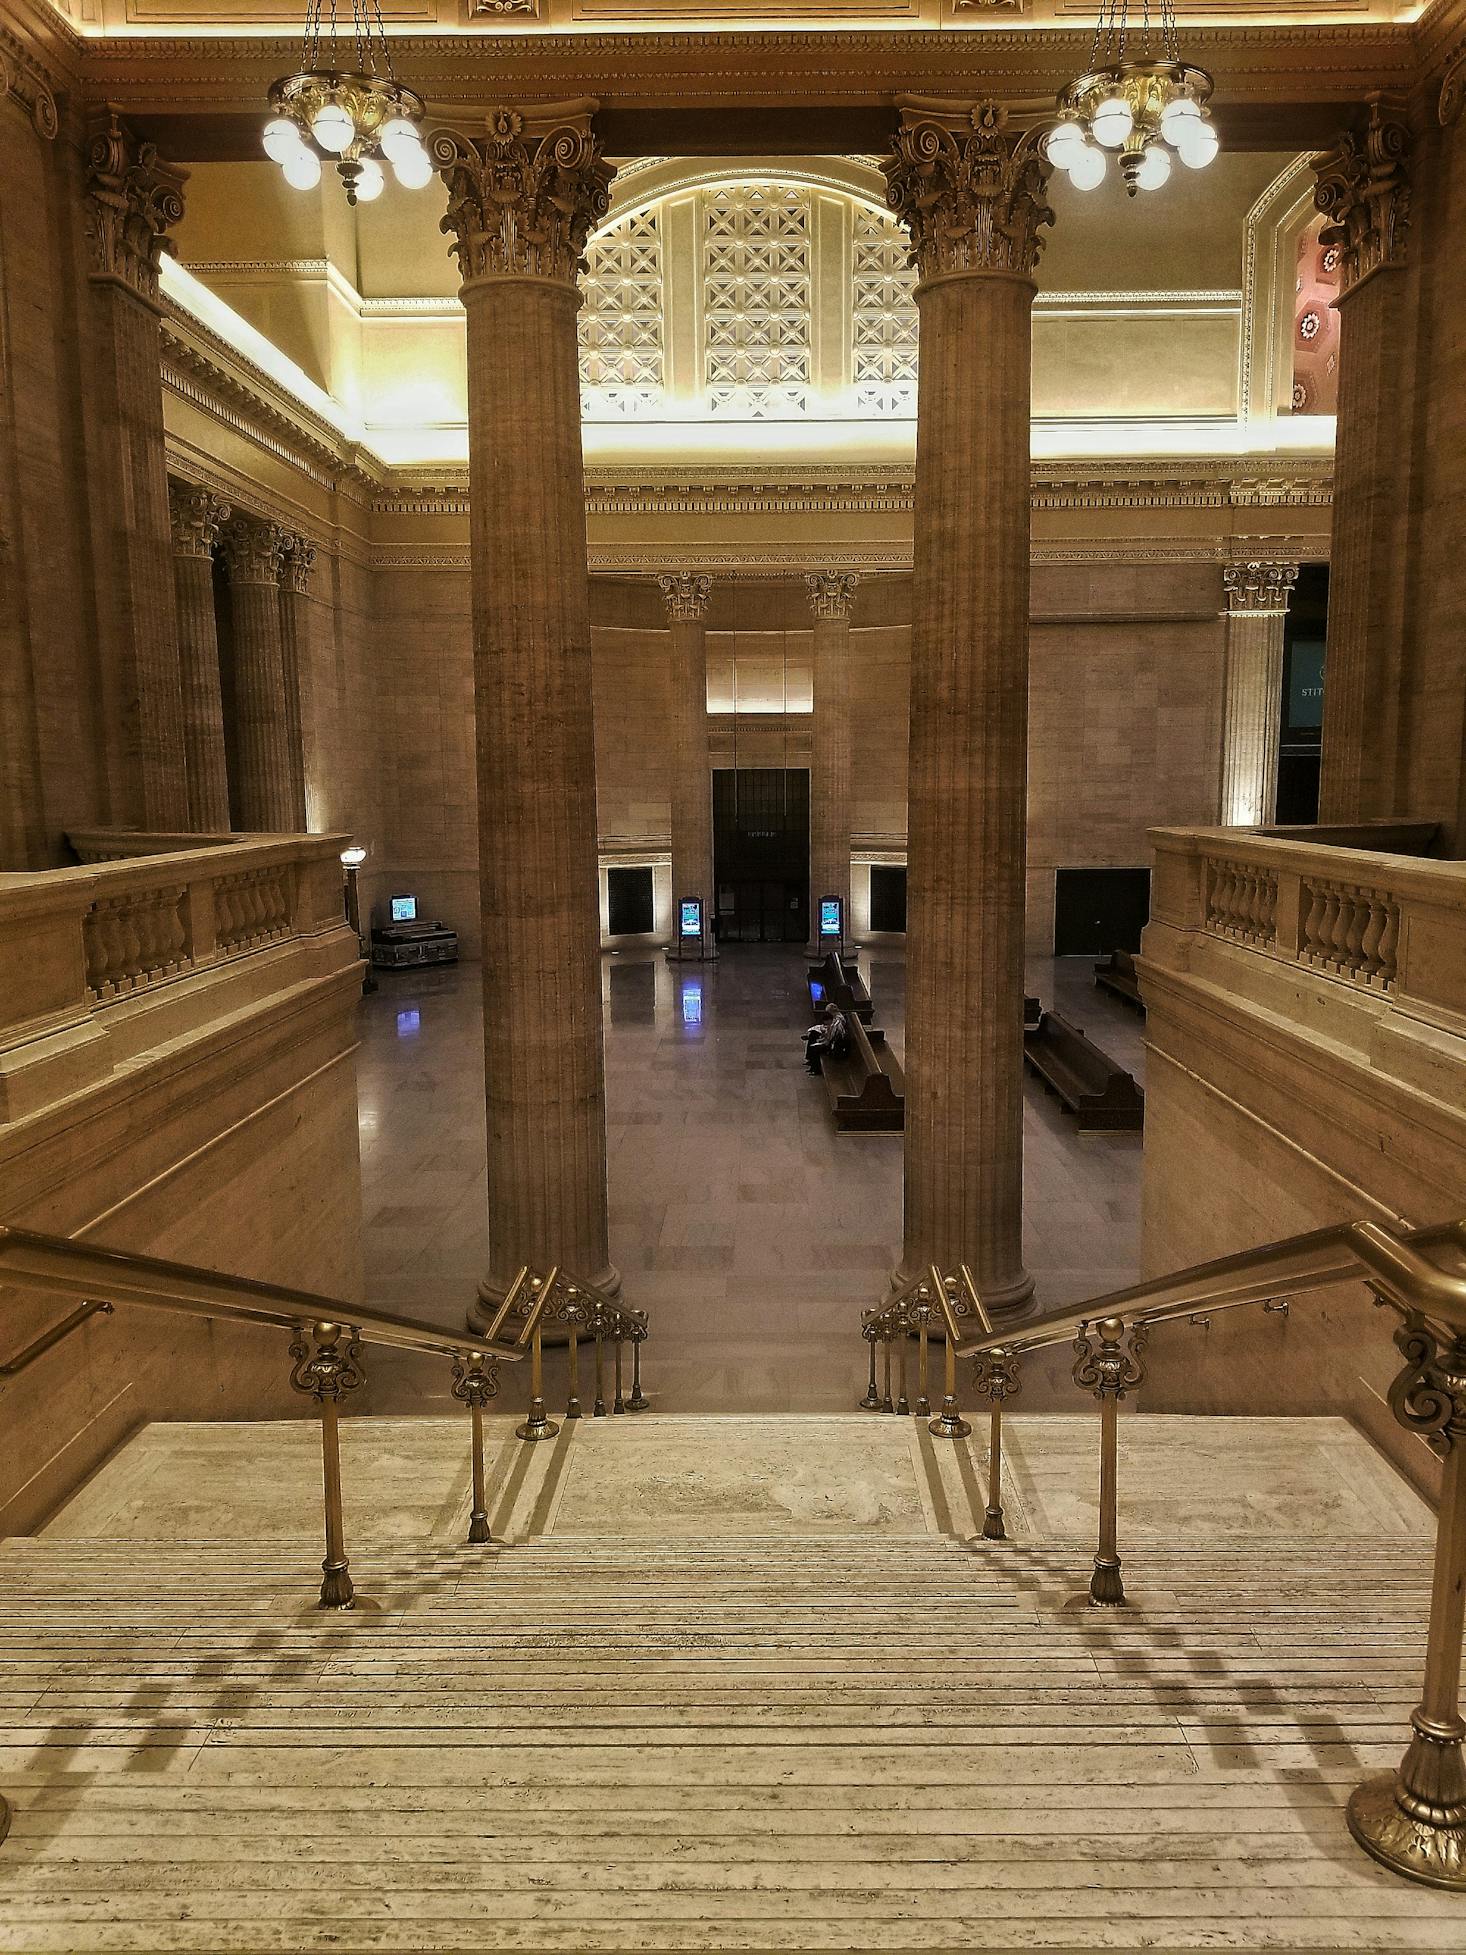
x=350 y=115
x=1149 y=107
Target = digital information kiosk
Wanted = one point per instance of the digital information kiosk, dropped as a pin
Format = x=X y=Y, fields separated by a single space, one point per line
x=408 y=940
x=689 y=942
x=832 y=923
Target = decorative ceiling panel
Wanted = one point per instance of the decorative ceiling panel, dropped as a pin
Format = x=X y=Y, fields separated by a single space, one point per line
x=757 y=266
x=622 y=353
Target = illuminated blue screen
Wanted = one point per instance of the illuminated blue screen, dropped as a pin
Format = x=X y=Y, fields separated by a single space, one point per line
x=691 y=925
x=830 y=916
x=404 y=909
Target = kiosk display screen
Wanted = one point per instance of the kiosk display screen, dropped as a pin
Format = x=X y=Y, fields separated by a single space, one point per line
x=830 y=922
x=691 y=913
x=404 y=909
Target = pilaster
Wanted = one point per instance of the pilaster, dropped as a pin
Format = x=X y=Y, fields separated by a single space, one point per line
x=297 y=564
x=263 y=791
x=685 y=595
x=1257 y=610
x=132 y=199
x=197 y=518
x=831 y=600
x=1364 y=191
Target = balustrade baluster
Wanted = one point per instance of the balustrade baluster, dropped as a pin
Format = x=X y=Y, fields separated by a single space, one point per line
x=326 y=1370
x=887 y=1402
x=537 y=1425
x=1389 y=944
x=618 y=1403
x=638 y=1401
x=475 y=1382
x=598 y=1410
x=872 y=1400
x=1109 y=1363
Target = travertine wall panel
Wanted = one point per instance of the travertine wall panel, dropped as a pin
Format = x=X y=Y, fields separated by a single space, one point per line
x=51 y=736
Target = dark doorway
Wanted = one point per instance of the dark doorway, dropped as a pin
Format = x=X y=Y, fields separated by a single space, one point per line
x=887 y=896
x=1305 y=635
x=761 y=854
x=1099 y=910
x=629 y=907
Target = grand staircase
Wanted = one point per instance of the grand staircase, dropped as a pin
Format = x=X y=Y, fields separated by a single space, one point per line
x=707 y=1691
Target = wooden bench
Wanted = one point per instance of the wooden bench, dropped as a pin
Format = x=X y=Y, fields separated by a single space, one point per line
x=1103 y=1095
x=834 y=982
x=1033 y=1011
x=867 y=1088
x=1117 y=974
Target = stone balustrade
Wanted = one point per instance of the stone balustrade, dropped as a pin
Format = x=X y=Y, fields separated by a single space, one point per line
x=1379 y=922
x=162 y=926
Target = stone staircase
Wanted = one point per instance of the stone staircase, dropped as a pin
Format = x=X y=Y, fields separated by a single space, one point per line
x=635 y=1728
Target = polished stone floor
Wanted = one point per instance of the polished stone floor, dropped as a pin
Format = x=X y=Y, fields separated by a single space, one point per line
x=751 y=1230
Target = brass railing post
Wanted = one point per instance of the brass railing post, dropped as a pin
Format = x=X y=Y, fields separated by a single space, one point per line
x=326 y=1371
x=949 y=1422
x=599 y=1409
x=572 y=1403
x=888 y=1404
x=474 y=1384
x=537 y=1426
x=638 y=1401
x=995 y=1376
x=872 y=1400
x=923 y=1399
x=1413 y=1820
x=1108 y=1363
x=618 y=1404
x=903 y=1404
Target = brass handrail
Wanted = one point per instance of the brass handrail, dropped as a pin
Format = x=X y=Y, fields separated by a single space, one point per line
x=1412 y=1820
x=49 y=1339
x=326 y=1336
x=67 y=1268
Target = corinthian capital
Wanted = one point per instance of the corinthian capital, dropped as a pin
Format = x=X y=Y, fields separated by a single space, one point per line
x=831 y=592
x=523 y=197
x=132 y=200
x=198 y=515
x=252 y=550
x=1363 y=190
x=1258 y=587
x=972 y=194
x=685 y=595
x=297 y=561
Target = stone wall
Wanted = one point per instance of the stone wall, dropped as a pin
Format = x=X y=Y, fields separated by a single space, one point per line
x=193 y=1099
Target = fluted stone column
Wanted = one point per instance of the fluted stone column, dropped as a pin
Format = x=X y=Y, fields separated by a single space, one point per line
x=1364 y=190
x=132 y=200
x=198 y=516
x=686 y=597
x=831 y=596
x=297 y=561
x=522 y=197
x=973 y=196
x=1257 y=610
x=264 y=794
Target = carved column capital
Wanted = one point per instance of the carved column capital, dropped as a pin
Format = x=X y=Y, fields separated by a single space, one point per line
x=1363 y=190
x=252 y=550
x=524 y=196
x=197 y=516
x=972 y=193
x=297 y=561
x=132 y=199
x=685 y=594
x=1256 y=588
x=831 y=592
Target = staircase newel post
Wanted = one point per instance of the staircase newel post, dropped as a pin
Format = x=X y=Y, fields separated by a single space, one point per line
x=537 y=1426
x=995 y=1375
x=326 y=1370
x=872 y=1400
x=1413 y=1820
x=949 y=1422
x=474 y=1384
x=1109 y=1363
x=638 y=1401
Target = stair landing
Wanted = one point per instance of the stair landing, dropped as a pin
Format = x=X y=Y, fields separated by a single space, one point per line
x=811 y=1729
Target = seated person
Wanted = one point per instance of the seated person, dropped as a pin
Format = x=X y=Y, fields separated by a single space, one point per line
x=831 y=1034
